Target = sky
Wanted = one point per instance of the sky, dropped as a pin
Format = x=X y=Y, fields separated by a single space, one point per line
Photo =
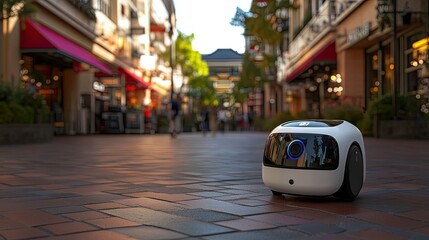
x=209 y=21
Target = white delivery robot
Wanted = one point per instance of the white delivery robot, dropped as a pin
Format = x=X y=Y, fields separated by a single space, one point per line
x=315 y=158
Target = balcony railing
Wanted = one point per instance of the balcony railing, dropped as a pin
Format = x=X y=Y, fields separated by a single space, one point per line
x=85 y=6
x=319 y=25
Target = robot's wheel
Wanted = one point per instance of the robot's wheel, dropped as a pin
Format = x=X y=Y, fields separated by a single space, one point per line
x=275 y=193
x=353 y=175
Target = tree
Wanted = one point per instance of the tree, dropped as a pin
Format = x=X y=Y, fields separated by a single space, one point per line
x=264 y=26
x=10 y=9
x=193 y=68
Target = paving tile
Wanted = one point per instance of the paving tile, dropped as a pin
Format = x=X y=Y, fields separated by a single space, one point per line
x=377 y=234
x=65 y=209
x=337 y=236
x=151 y=203
x=112 y=222
x=245 y=224
x=209 y=194
x=150 y=233
x=145 y=216
x=318 y=228
x=22 y=233
x=196 y=228
x=250 y=202
x=234 y=197
x=164 y=196
x=205 y=215
x=270 y=234
x=277 y=219
x=100 y=206
x=390 y=220
x=6 y=223
x=310 y=214
x=177 y=188
x=97 y=235
x=34 y=217
x=86 y=215
x=91 y=199
x=69 y=227
x=231 y=208
x=235 y=191
x=29 y=203
x=173 y=182
x=422 y=215
x=52 y=186
x=424 y=231
x=168 y=221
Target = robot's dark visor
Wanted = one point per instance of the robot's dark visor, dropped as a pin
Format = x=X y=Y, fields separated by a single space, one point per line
x=301 y=150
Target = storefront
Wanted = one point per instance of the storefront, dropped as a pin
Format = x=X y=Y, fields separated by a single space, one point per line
x=366 y=55
x=314 y=79
x=63 y=72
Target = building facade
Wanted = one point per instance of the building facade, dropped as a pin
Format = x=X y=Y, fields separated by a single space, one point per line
x=225 y=66
x=354 y=51
x=92 y=60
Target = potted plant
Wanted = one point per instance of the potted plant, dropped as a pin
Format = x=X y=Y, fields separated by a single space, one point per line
x=23 y=116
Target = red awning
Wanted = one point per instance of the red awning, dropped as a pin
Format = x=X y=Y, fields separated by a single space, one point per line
x=38 y=38
x=157 y=28
x=325 y=54
x=132 y=78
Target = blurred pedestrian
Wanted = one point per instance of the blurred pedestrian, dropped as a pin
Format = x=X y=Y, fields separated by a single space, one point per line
x=174 y=115
x=251 y=118
x=221 y=115
x=205 y=120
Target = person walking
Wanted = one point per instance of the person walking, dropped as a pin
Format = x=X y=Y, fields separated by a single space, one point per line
x=205 y=120
x=174 y=115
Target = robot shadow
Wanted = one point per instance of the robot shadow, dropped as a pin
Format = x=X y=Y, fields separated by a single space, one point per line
x=290 y=199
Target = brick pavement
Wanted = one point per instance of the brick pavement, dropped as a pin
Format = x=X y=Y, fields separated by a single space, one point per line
x=195 y=187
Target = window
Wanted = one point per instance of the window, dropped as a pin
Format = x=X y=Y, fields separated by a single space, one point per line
x=414 y=61
x=103 y=6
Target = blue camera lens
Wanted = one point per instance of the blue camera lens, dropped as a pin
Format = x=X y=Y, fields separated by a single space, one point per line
x=295 y=149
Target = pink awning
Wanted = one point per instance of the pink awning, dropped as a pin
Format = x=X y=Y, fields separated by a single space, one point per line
x=38 y=38
x=325 y=54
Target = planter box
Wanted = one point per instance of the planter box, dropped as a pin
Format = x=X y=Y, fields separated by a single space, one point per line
x=25 y=133
x=402 y=129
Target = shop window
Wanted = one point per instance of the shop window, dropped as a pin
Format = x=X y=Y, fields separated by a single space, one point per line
x=387 y=71
x=373 y=83
x=416 y=55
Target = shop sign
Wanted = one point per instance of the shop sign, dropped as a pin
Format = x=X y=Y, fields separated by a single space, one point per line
x=359 y=33
x=47 y=91
x=98 y=86
x=110 y=82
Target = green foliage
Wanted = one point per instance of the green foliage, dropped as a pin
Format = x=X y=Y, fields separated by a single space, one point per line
x=19 y=105
x=189 y=60
x=259 y=23
x=201 y=89
x=6 y=114
x=13 y=8
x=194 y=68
x=252 y=72
x=408 y=108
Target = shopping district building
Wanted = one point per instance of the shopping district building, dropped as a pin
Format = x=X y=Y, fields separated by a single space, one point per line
x=95 y=67
x=94 y=61
x=339 y=49
x=335 y=51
